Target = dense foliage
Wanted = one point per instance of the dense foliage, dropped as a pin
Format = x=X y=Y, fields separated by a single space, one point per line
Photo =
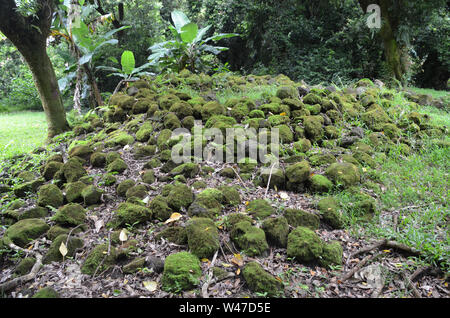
x=324 y=41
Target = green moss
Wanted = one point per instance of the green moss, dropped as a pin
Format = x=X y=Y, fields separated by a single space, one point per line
x=277 y=230
x=364 y=159
x=25 y=266
x=124 y=186
x=171 y=122
x=51 y=195
x=297 y=174
x=91 y=195
x=203 y=237
x=260 y=281
x=276 y=120
x=118 y=166
x=331 y=255
x=51 y=169
x=99 y=260
x=329 y=210
x=312 y=99
x=53 y=253
x=174 y=234
x=188 y=170
x=144 y=132
x=313 y=127
x=256 y=113
x=182 y=271
x=320 y=184
x=296 y=217
x=304 y=245
x=260 y=208
x=139 y=191
x=24 y=231
x=71 y=214
x=375 y=118
x=162 y=139
x=166 y=101
x=211 y=109
x=248 y=238
x=302 y=145
x=247 y=165
x=55 y=231
x=148 y=177
x=231 y=195
x=345 y=174
x=159 y=208
x=46 y=292
x=277 y=178
x=287 y=92
x=128 y=213
x=179 y=197
x=34 y=213
x=321 y=159
x=98 y=159
x=73 y=170
x=285 y=133
x=120 y=139
x=82 y=151
x=234 y=218
x=134 y=266
x=273 y=108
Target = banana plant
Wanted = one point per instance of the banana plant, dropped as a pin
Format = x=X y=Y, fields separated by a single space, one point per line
x=187 y=47
x=129 y=72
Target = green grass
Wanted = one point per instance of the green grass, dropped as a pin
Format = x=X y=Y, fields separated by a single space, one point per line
x=429 y=91
x=21 y=133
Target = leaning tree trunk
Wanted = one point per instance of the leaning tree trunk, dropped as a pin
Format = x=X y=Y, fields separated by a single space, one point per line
x=29 y=35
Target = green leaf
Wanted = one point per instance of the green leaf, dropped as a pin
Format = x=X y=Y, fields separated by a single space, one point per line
x=179 y=19
x=221 y=36
x=202 y=33
x=86 y=58
x=128 y=62
x=112 y=32
x=189 y=32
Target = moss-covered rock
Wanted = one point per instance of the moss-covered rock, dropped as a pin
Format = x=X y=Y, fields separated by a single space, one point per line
x=211 y=109
x=174 y=234
x=82 y=151
x=320 y=184
x=250 y=239
x=50 y=195
x=296 y=217
x=71 y=214
x=98 y=159
x=188 y=170
x=203 y=237
x=99 y=260
x=73 y=170
x=118 y=166
x=329 y=210
x=322 y=159
x=313 y=127
x=331 y=254
x=25 y=266
x=34 y=213
x=46 y=292
x=304 y=245
x=91 y=195
x=119 y=139
x=277 y=178
x=182 y=271
x=297 y=174
x=24 y=231
x=375 y=118
x=277 y=230
x=287 y=92
x=260 y=208
x=51 y=169
x=285 y=133
x=302 y=145
x=231 y=195
x=139 y=191
x=160 y=208
x=260 y=281
x=181 y=196
x=344 y=174
x=129 y=213
x=54 y=255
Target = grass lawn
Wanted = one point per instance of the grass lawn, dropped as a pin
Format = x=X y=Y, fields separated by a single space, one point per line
x=21 y=132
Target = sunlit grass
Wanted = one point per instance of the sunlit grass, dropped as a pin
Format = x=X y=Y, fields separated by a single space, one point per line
x=21 y=132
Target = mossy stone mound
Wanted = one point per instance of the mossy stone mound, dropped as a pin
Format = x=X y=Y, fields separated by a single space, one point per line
x=304 y=245
x=50 y=195
x=332 y=254
x=320 y=184
x=118 y=165
x=24 y=231
x=74 y=191
x=344 y=174
x=277 y=230
x=188 y=170
x=297 y=217
x=71 y=214
x=34 y=213
x=203 y=237
x=174 y=234
x=46 y=292
x=260 y=281
x=91 y=195
x=297 y=174
x=73 y=170
x=182 y=271
x=50 y=169
x=82 y=151
x=250 y=239
x=53 y=253
x=231 y=195
x=129 y=213
x=159 y=208
x=260 y=208
x=139 y=191
x=25 y=266
x=101 y=258
x=124 y=186
x=329 y=210
x=98 y=159
x=181 y=196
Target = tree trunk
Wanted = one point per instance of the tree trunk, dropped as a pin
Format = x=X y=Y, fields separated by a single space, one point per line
x=29 y=36
x=45 y=79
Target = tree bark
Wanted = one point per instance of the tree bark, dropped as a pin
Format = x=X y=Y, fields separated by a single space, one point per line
x=29 y=36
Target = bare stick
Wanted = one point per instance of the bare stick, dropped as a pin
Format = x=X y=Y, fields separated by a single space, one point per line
x=239 y=177
x=208 y=281
x=411 y=285
x=367 y=249
x=268 y=181
x=349 y=274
